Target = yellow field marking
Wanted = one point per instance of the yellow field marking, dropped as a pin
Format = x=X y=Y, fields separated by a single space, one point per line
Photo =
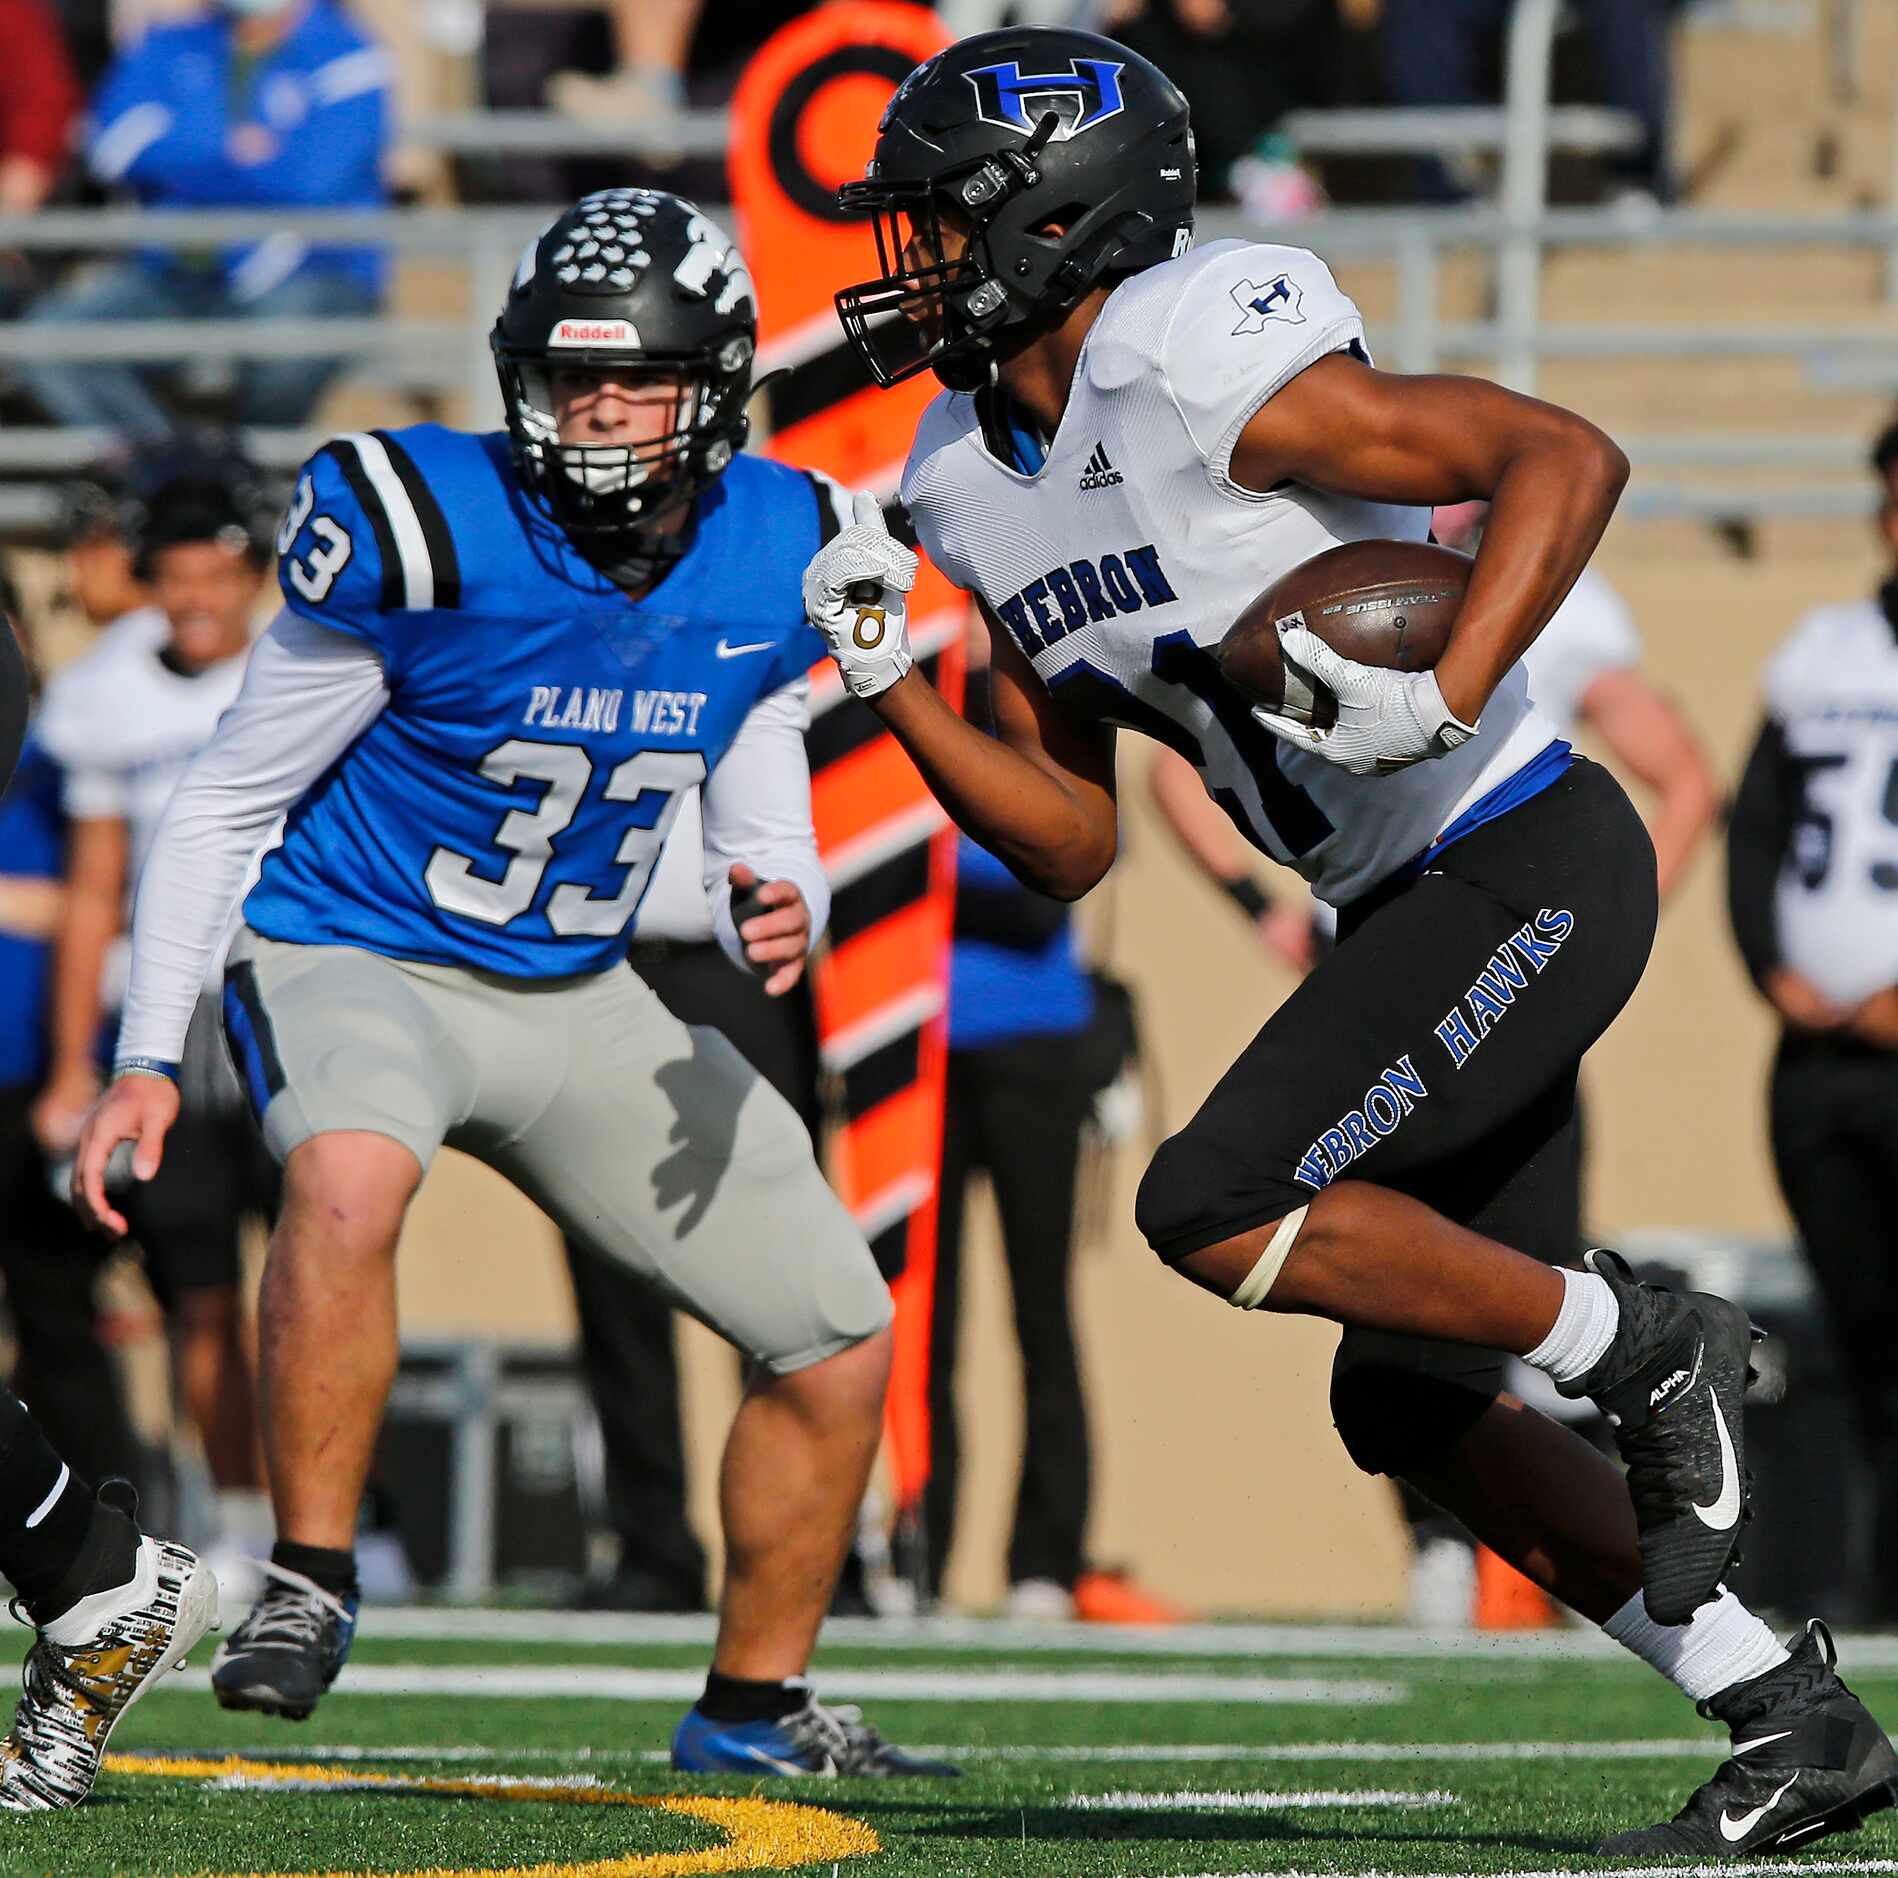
x=761 y=1835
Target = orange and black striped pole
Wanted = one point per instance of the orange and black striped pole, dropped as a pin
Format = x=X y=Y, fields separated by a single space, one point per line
x=803 y=121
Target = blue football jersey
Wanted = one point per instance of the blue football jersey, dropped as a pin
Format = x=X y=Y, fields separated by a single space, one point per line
x=505 y=810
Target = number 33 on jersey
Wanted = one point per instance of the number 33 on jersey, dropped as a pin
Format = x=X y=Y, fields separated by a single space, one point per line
x=506 y=808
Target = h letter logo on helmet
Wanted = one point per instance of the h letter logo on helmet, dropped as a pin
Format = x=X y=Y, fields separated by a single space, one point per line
x=1086 y=94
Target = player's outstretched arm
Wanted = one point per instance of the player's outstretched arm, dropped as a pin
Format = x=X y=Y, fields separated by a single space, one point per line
x=1551 y=478
x=1040 y=793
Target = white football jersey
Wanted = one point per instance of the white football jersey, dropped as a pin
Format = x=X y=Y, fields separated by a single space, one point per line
x=1833 y=688
x=1118 y=565
x=1592 y=632
x=122 y=725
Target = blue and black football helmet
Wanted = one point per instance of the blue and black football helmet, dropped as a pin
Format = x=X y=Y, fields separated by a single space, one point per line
x=647 y=283
x=1066 y=157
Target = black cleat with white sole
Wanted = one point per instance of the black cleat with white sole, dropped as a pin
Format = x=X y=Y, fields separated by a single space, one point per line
x=1672 y=1383
x=287 y=1652
x=1808 y=1760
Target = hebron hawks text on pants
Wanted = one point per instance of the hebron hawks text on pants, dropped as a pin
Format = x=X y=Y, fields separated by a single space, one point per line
x=1527 y=950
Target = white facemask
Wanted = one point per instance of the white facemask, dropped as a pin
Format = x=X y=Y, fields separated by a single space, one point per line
x=256 y=9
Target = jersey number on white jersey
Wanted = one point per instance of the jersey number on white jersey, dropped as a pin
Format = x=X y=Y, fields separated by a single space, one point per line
x=1832 y=787
x=529 y=835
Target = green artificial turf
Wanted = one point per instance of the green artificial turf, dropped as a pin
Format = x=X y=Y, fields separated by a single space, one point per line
x=1014 y=1815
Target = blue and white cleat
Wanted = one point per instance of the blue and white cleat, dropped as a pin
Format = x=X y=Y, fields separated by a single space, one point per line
x=816 y=1740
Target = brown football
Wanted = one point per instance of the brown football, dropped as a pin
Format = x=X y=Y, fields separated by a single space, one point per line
x=1384 y=603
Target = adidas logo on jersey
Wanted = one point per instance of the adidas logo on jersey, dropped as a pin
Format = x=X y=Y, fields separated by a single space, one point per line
x=1099 y=473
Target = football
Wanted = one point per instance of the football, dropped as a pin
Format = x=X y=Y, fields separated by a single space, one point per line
x=1383 y=603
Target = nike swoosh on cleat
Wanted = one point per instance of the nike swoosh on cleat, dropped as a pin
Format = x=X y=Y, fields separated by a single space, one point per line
x=726 y=650
x=1734 y=1830
x=771 y=1760
x=1758 y=1741
x=1723 y=1510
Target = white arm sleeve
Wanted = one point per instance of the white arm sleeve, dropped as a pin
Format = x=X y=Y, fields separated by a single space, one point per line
x=309 y=693
x=758 y=810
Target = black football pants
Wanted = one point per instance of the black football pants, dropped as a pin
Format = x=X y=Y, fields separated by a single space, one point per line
x=1434 y=1052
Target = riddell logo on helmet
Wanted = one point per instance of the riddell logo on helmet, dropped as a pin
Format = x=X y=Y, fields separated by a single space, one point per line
x=594 y=333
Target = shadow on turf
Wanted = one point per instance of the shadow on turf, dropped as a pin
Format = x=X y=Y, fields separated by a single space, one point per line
x=1183 y=1822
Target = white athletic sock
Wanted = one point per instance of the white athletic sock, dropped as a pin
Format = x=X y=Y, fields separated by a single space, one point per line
x=1721 y=1644
x=91 y=1614
x=245 y=1521
x=1584 y=1328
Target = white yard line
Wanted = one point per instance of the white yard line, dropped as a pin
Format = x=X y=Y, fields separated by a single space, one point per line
x=1150 y=1754
x=1725 y=1869
x=889 y=1685
x=1706 y=1749
x=1258 y=1801
x=446 y=1624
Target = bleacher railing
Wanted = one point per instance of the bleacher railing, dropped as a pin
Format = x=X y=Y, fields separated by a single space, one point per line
x=446 y=358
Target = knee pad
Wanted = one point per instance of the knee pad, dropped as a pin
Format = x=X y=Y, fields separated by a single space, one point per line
x=1392 y=1419
x=1192 y=1195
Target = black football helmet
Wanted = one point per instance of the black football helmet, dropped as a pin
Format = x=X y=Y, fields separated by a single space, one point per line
x=195 y=487
x=641 y=280
x=1016 y=134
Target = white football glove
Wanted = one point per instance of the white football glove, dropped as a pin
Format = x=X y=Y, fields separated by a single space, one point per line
x=1386 y=720
x=853 y=595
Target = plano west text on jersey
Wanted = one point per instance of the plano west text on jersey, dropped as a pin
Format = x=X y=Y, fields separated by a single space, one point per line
x=588 y=707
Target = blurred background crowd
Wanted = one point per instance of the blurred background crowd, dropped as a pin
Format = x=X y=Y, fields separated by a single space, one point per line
x=158 y=382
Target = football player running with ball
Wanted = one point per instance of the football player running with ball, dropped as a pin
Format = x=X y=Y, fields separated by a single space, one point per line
x=1136 y=438
x=502 y=661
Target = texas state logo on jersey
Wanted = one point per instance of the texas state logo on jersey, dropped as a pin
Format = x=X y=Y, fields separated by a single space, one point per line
x=1116 y=562
x=506 y=809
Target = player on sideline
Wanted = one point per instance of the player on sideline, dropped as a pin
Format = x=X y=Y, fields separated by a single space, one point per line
x=1135 y=440
x=503 y=658
x=114 y=1609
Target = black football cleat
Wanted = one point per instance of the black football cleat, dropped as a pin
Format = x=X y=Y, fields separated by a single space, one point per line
x=1672 y=1383
x=288 y=1651
x=1807 y=1760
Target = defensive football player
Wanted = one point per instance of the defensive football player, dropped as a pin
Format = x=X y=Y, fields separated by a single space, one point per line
x=1135 y=438
x=501 y=660
x=113 y=1608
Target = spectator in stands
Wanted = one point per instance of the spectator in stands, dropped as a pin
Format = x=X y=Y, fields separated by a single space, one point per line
x=39 y=98
x=1441 y=51
x=100 y=580
x=618 y=63
x=1242 y=64
x=254 y=104
x=87 y=26
x=652 y=39
x=1812 y=884
x=49 y=1260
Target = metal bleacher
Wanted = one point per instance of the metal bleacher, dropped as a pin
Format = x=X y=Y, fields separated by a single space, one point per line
x=441 y=360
